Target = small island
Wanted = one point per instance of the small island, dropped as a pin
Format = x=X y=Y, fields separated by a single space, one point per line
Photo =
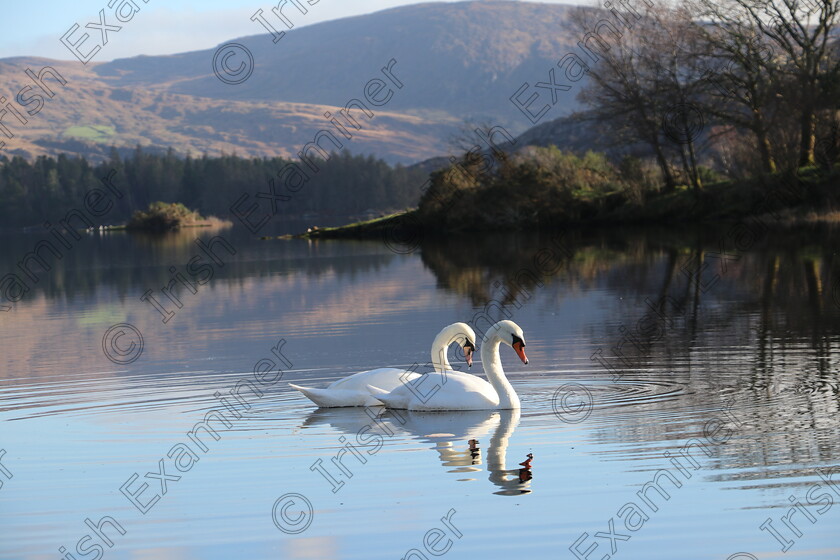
x=170 y=216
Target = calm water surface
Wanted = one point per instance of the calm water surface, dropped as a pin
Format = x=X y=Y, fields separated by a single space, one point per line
x=726 y=395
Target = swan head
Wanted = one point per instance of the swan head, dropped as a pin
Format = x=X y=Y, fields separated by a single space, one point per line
x=464 y=335
x=511 y=334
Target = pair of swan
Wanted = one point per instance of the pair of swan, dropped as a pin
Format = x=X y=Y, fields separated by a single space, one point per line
x=440 y=390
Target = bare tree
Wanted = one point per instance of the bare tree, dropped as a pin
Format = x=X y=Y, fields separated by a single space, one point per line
x=645 y=83
x=671 y=50
x=740 y=87
x=621 y=94
x=802 y=31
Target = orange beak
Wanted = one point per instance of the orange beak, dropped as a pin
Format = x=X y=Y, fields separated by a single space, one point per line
x=468 y=352
x=519 y=348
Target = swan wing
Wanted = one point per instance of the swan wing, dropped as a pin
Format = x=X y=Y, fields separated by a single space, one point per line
x=353 y=390
x=391 y=399
x=387 y=379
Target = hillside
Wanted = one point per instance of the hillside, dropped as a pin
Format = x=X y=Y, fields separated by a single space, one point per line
x=88 y=115
x=457 y=61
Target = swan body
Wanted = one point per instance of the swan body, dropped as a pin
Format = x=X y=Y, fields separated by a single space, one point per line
x=448 y=390
x=353 y=390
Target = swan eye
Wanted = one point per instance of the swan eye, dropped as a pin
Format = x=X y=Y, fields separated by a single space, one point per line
x=469 y=345
x=519 y=340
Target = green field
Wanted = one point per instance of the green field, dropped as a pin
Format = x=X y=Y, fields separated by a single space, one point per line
x=92 y=133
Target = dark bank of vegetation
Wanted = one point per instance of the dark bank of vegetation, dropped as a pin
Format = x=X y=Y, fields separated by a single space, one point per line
x=547 y=188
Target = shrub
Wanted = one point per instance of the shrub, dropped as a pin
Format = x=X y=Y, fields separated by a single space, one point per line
x=163 y=216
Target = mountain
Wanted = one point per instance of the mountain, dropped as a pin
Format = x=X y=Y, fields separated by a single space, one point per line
x=456 y=61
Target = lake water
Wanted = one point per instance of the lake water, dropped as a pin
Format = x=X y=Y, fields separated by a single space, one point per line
x=720 y=414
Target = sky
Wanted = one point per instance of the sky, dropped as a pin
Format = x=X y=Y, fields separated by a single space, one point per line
x=160 y=27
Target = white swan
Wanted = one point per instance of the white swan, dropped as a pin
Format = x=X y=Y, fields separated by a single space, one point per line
x=459 y=391
x=353 y=390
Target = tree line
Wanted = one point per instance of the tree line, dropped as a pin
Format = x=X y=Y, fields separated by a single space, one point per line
x=46 y=188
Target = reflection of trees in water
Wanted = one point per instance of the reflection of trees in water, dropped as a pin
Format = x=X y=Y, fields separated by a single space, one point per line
x=764 y=330
x=786 y=280
x=510 y=267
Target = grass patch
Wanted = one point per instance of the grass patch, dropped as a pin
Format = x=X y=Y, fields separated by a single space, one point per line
x=360 y=230
x=91 y=133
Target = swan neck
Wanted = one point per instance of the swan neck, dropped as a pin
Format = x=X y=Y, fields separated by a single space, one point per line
x=440 y=347
x=498 y=474
x=491 y=360
x=497 y=451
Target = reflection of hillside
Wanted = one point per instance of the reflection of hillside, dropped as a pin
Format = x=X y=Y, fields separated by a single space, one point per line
x=134 y=263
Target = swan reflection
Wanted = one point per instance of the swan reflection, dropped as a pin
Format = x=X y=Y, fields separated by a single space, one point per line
x=466 y=441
